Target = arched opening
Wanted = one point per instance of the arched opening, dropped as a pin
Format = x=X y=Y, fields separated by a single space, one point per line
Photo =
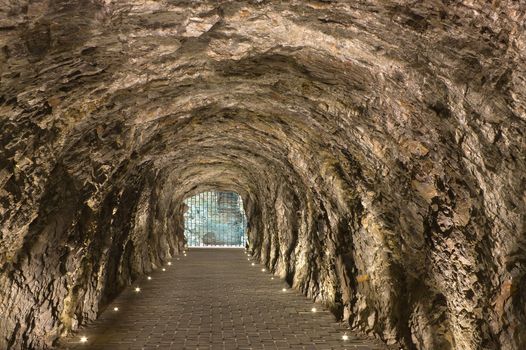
x=215 y=219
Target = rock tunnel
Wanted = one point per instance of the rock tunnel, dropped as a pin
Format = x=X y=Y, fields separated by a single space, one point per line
x=378 y=146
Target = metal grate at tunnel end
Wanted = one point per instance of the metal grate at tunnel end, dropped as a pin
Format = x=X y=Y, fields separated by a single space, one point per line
x=215 y=219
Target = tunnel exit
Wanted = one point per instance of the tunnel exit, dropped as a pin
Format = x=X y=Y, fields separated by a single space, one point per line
x=215 y=219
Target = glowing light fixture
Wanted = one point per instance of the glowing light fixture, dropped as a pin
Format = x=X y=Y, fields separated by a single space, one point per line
x=164 y=269
x=253 y=264
x=313 y=309
x=284 y=289
x=263 y=270
x=169 y=263
x=271 y=278
x=149 y=278
x=345 y=337
x=137 y=289
x=83 y=339
x=115 y=309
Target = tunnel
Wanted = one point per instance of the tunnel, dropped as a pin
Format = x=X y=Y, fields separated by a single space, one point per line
x=378 y=148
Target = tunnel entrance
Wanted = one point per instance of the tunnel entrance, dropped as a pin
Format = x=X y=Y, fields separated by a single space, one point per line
x=215 y=219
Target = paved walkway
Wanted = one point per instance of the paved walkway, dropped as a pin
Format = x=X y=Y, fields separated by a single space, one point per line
x=214 y=299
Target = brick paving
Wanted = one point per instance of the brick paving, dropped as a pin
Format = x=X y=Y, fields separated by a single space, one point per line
x=214 y=299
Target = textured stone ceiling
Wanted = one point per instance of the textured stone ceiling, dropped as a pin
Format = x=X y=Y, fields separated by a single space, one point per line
x=379 y=146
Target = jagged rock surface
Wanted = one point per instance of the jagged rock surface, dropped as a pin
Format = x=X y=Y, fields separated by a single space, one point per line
x=379 y=147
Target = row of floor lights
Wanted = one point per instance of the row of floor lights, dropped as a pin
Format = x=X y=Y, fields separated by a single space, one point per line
x=262 y=270
x=84 y=339
x=345 y=337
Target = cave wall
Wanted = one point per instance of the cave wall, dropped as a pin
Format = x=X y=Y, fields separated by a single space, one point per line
x=379 y=147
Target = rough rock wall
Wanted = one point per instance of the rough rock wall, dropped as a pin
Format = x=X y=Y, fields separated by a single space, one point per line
x=379 y=146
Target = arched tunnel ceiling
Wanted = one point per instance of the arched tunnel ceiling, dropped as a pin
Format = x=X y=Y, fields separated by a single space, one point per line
x=379 y=146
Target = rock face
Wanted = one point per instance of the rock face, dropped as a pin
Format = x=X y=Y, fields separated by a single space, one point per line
x=379 y=147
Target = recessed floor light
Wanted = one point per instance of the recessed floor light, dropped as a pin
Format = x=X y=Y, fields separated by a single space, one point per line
x=284 y=289
x=345 y=336
x=149 y=278
x=115 y=309
x=169 y=263
x=313 y=309
x=164 y=269
x=83 y=339
x=263 y=270
x=137 y=289
x=253 y=264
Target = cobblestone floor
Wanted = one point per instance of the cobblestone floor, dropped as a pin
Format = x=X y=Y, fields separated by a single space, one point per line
x=214 y=299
